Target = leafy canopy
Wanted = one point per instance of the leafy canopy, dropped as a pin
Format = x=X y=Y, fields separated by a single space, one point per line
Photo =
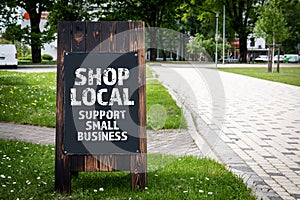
x=271 y=23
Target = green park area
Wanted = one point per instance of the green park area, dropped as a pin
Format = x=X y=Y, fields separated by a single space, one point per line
x=27 y=170
x=287 y=75
x=30 y=98
x=176 y=31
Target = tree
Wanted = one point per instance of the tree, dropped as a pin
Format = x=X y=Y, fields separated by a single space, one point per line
x=271 y=25
x=241 y=16
x=291 y=12
x=34 y=36
x=155 y=14
x=71 y=10
x=204 y=48
x=13 y=33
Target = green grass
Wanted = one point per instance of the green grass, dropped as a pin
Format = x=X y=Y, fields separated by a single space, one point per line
x=30 y=98
x=44 y=62
x=162 y=110
x=27 y=172
x=149 y=72
x=288 y=75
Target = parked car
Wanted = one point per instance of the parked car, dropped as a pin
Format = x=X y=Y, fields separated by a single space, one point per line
x=292 y=58
x=281 y=58
x=230 y=60
x=261 y=58
x=8 y=56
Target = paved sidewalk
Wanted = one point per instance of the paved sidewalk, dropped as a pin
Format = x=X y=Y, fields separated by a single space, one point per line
x=175 y=142
x=252 y=125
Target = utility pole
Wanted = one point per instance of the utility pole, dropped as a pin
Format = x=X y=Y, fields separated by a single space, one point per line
x=216 y=56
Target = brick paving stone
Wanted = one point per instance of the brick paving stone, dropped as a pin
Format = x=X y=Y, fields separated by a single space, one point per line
x=260 y=118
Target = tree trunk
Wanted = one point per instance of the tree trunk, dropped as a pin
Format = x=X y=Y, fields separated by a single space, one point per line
x=36 y=53
x=278 y=61
x=153 y=44
x=164 y=55
x=35 y=35
x=174 y=56
x=243 y=48
x=270 y=59
x=273 y=52
x=181 y=52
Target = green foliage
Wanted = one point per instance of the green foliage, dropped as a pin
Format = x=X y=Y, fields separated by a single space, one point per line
x=47 y=57
x=190 y=16
x=23 y=50
x=44 y=62
x=240 y=18
x=198 y=16
x=32 y=35
x=205 y=47
x=27 y=172
x=155 y=13
x=27 y=58
x=271 y=23
x=13 y=33
x=5 y=41
x=291 y=11
x=71 y=10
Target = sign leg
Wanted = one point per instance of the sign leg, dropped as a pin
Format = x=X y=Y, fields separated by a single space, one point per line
x=62 y=174
x=138 y=171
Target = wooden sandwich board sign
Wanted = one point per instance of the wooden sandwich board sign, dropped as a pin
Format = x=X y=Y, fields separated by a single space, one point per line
x=101 y=108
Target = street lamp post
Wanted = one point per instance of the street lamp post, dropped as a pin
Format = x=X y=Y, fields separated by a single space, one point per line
x=224 y=35
x=216 y=58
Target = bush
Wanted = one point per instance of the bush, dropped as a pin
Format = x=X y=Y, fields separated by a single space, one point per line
x=28 y=58
x=47 y=57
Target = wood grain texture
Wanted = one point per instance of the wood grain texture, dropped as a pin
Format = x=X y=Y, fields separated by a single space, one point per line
x=93 y=36
x=108 y=41
x=100 y=36
x=62 y=164
x=139 y=161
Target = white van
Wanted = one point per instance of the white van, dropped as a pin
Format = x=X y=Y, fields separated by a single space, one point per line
x=8 y=56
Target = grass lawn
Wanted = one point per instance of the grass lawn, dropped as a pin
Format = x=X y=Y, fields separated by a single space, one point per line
x=27 y=172
x=162 y=110
x=149 y=72
x=31 y=98
x=288 y=75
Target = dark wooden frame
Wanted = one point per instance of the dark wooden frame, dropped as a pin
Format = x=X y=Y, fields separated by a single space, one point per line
x=86 y=37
